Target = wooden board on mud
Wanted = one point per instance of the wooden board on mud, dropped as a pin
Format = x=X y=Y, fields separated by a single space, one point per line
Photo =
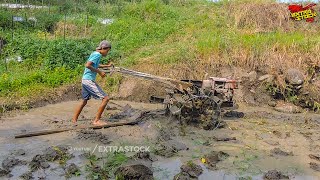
x=130 y=121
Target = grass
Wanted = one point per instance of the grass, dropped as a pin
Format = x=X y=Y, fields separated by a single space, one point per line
x=110 y=163
x=158 y=33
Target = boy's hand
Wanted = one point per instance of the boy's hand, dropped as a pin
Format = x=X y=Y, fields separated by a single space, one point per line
x=102 y=74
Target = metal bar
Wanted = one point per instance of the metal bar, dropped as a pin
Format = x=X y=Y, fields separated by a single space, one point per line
x=173 y=83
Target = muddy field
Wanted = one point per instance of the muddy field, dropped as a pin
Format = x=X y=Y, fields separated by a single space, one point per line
x=265 y=144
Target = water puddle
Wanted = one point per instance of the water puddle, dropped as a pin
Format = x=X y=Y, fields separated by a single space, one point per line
x=168 y=168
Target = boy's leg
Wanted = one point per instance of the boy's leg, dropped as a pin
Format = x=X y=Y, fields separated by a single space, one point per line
x=103 y=105
x=78 y=110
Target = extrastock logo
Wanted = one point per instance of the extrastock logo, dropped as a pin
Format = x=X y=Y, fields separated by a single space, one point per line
x=298 y=12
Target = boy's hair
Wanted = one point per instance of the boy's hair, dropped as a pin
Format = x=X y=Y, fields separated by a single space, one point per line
x=104 y=45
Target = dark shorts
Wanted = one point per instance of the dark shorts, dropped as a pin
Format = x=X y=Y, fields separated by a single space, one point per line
x=91 y=88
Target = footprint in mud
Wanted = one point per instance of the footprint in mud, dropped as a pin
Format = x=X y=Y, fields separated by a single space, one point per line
x=315 y=157
x=93 y=135
x=315 y=166
x=274 y=175
x=18 y=152
x=279 y=152
x=281 y=135
x=272 y=142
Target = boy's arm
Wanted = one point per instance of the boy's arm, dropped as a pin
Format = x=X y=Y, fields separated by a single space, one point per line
x=110 y=64
x=89 y=66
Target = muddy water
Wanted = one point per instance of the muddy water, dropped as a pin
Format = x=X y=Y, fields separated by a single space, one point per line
x=251 y=155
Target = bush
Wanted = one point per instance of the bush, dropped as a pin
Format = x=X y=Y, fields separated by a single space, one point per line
x=46 y=21
x=5 y=19
x=51 y=53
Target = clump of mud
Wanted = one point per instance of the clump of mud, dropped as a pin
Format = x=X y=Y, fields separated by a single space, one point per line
x=214 y=157
x=10 y=162
x=136 y=171
x=53 y=153
x=71 y=169
x=144 y=156
x=169 y=148
x=38 y=161
x=233 y=114
x=211 y=125
x=138 y=166
x=27 y=176
x=90 y=134
x=279 y=152
x=274 y=175
x=189 y=171
x=4 y=172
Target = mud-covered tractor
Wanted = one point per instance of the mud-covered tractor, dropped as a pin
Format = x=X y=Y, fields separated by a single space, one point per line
x=199 y=101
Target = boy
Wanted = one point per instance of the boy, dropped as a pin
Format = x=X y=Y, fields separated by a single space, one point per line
x=89 y=86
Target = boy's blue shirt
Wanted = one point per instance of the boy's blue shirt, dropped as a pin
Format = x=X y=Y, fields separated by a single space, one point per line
x=95 y=58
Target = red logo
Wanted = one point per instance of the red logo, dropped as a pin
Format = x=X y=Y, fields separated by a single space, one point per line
x=298 y=12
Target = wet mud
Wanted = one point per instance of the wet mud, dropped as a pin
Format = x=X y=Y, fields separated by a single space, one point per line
x=27 y=176
x=263 y=140
x=71 y=169
x=274 y=175
x=133 y=172
x=213 y=158
x=315 y=157
x=53 y=153
x=279 y=152
x=315 y=166
x=189 y=171
x=92 y=135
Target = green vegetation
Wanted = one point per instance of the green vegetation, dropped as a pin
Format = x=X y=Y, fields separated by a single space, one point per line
x=110 y=163
x=159 y=32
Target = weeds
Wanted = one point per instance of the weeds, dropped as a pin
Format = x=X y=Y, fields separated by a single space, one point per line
x=110 y=163
x=245 y=162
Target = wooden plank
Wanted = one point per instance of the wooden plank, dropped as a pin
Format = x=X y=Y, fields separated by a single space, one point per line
x=130 y=121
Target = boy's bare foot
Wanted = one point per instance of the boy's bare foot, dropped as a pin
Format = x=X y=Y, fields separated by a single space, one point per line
x=74 y=121
x=99 y=123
